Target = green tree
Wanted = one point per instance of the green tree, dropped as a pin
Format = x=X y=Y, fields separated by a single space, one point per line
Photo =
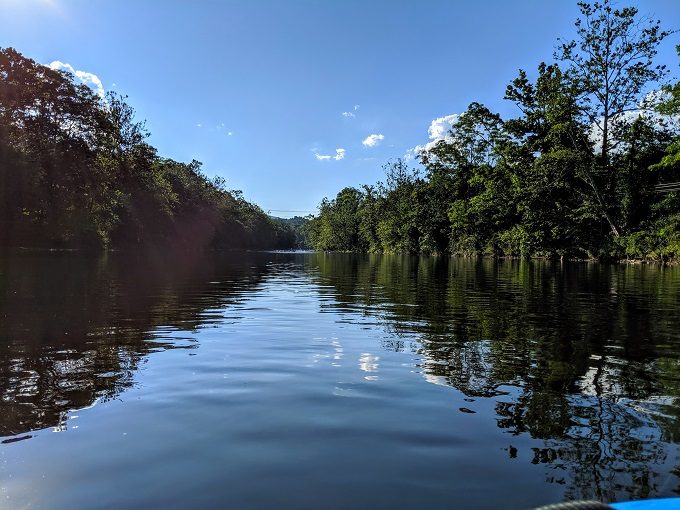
x=398 y=228
x=611 y=64
x=337 y=225
x=550 y=157
x=76 y=171
x=465 y=164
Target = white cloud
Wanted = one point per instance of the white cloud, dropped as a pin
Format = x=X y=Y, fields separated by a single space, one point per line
x=339 y=154
x=373 y=140
x=439 y=129
x=230 y=133
x=89 y=79
x=351 y=114
x=646 y=110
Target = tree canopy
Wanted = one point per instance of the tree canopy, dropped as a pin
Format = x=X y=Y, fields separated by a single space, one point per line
x=76 y=171
x=575 y=174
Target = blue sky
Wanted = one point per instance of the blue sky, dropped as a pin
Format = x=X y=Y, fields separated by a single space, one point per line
x=256 y=90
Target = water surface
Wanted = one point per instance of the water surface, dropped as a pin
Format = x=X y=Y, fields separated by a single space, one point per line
x=279 y=380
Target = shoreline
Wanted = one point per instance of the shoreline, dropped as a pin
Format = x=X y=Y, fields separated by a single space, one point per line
x=623 y=261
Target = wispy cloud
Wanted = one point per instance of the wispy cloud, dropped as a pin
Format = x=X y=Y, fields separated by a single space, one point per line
x=89 y=79
x=440 y=129
x=352 y=113
x=222 y=126
x=373 y=140
x=214 y=128
x=339 y=154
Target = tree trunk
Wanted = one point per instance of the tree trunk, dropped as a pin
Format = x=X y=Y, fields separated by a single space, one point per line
x=603 y=206
x=605 y=165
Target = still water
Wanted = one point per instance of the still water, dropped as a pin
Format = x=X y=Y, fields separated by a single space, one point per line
x=328 y=381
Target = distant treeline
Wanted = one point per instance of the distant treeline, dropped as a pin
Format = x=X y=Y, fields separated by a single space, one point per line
x=76 y=172
x=577 y=174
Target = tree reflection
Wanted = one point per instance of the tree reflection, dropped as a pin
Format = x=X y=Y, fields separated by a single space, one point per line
x=581 y=356
x=75 y=329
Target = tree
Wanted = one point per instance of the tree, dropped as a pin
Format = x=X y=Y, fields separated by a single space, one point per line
x=76 y=171
x=369 y=215
x=660 y=236
x=337 y=225
x=611 y=63
x=398 y=229
x=550 y=155
x=465 y=165
x=671 y=106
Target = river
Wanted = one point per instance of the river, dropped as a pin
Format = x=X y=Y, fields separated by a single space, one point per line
x=329 y=381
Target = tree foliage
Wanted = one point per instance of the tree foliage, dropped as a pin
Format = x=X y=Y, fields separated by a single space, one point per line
x=76 y=170
x=573 y=175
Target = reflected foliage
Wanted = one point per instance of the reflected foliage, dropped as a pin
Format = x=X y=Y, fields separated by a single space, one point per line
x=581 y=356
x=579 y=361
x=75 y=329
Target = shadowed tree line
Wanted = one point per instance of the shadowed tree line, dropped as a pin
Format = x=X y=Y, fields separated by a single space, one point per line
x=574 y=175
x=582 y=357
x=76 y=171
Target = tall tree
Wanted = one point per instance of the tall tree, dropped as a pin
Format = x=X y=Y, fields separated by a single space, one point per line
x=611 y=62
x=550 y=155
x=464 y=165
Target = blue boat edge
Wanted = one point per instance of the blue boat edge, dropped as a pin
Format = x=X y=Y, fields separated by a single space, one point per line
x=648 y=504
